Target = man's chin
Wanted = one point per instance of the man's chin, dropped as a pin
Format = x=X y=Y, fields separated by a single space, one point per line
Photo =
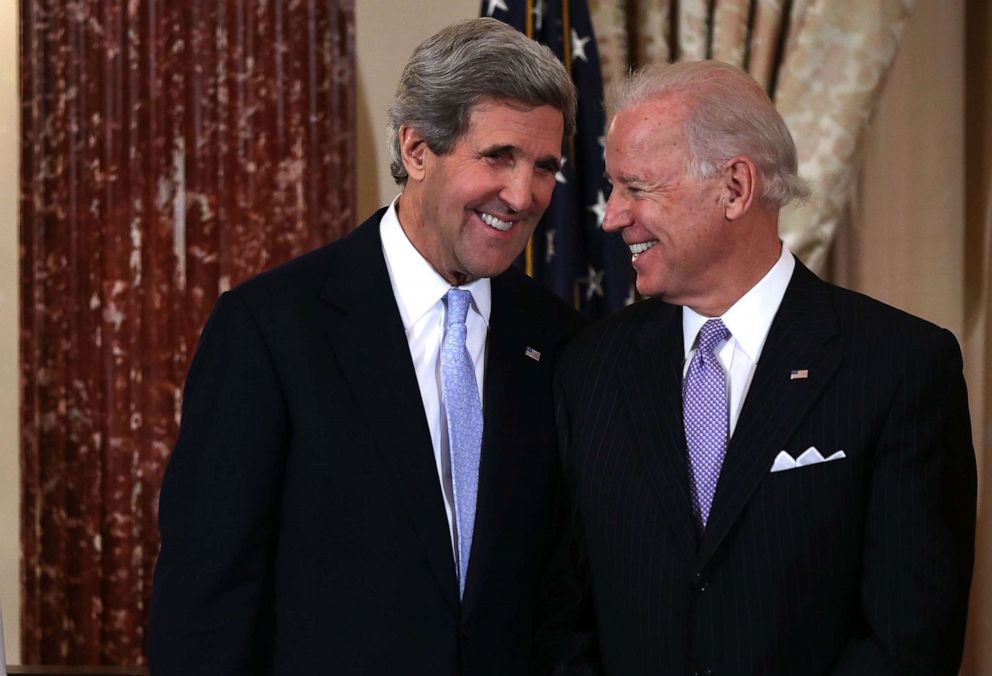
x=491 y=261
x=491 y=271
x=646 y=288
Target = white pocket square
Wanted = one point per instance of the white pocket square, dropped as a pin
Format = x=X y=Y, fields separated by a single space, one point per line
x=810 y=456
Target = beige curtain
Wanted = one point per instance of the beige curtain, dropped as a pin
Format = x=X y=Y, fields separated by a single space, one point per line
x=898 y=146
x=821 y=61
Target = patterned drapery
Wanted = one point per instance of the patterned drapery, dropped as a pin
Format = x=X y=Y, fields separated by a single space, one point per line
x=169 y=150
x=821 y=61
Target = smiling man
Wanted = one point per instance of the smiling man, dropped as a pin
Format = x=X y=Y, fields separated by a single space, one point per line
x=772 y=476
x=365 y=473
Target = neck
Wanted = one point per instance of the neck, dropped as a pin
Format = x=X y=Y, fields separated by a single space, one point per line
x=734 y=277
x=409 y=214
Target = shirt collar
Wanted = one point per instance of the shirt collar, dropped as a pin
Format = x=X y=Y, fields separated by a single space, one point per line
x=750 y=318
x=416 y=285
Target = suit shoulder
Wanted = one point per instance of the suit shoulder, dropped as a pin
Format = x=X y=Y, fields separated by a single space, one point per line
x=870 y=320
x=304 y=276
x=304 y=271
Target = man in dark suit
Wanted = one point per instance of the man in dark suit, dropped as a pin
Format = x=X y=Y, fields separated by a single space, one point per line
x=772 y=476
x=366 y=469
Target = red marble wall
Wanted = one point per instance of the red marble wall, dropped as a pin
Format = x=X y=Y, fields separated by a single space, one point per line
x=170 y=148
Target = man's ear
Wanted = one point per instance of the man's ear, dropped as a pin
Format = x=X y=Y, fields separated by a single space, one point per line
x=740 y=185
x=413 y=151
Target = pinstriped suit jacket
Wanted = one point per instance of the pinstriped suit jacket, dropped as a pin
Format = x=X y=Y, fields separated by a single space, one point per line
x=855 y=566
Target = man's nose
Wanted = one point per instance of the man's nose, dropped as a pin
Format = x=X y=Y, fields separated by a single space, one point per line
x=518 y=189
x=617 y=214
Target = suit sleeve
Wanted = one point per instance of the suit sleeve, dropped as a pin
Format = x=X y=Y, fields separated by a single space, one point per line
x=567 y=640
x=919 y=524
x=211 y=596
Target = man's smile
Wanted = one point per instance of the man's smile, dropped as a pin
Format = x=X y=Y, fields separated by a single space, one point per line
x=494 y=222
x=640 y=247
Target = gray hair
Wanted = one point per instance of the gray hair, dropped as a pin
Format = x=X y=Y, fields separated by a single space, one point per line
x=729 y=115
x=463 y=65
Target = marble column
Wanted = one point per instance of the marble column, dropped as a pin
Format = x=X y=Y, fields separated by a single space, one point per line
x=169 y=150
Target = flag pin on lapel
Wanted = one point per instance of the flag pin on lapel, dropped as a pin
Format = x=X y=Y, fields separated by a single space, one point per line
x=798 y=374
x=532 y=353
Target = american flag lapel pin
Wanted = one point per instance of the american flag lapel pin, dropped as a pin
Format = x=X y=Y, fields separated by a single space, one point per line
x=532 y=353
x=798 y=374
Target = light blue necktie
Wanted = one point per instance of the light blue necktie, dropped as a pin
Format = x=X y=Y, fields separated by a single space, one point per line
x=464 y=414
x=705 y=413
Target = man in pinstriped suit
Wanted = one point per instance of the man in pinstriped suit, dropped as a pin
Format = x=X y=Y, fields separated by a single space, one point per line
x=771 y=476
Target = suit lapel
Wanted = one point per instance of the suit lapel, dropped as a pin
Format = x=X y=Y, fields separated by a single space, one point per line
x=650 y=374
x=363 y=325
x=800 y=337
x=511 y=384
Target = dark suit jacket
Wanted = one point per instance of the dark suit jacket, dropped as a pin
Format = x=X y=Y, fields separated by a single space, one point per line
x=855 y=566
x=302 y=523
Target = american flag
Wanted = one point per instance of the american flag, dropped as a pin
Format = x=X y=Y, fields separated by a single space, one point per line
x=569 y=252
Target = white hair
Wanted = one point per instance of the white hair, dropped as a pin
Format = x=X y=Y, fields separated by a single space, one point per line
x=729 y=115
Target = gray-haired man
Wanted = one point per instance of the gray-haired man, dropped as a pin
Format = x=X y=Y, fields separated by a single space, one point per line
x=339 y=501
x=773 y=476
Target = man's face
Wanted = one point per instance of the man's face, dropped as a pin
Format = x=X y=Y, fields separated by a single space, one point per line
x=673 y=223
x=477 y=205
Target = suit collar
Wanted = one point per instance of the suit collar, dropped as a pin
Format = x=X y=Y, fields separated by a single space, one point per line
x=513 y=386
x=649 y=373
x=802 y=336
x=364 y=328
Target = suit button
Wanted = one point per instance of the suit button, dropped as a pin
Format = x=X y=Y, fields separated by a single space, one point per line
x=465 y=632
x=700 y=584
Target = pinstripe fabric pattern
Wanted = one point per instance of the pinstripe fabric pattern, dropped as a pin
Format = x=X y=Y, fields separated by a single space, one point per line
x=856 y=566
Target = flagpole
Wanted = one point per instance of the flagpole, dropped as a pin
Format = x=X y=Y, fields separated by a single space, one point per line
x=529 y=32
x=566 y=49
x=566 y=41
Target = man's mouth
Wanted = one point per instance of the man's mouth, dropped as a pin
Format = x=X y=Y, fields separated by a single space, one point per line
x=494 y=222
x=639 y=248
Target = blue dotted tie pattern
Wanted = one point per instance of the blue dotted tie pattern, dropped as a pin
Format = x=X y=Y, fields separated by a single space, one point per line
x=463 y=410
x=705 y=413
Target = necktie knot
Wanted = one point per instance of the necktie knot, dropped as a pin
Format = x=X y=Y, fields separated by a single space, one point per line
x=712 y=333
x=458 y=302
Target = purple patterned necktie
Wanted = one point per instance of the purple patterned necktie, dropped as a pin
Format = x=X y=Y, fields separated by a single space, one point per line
x=463 y=411
x=704 y=410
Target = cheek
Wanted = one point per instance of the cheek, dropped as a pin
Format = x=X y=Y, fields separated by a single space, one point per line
x=651 y=218
x=467 y=185
x=543 y=190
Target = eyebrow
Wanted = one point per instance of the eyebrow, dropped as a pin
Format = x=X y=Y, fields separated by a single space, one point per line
x=627 y=179
x=550 y=161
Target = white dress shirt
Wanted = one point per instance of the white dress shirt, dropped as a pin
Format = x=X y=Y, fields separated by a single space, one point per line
x=419 y=291
x=748 y=321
